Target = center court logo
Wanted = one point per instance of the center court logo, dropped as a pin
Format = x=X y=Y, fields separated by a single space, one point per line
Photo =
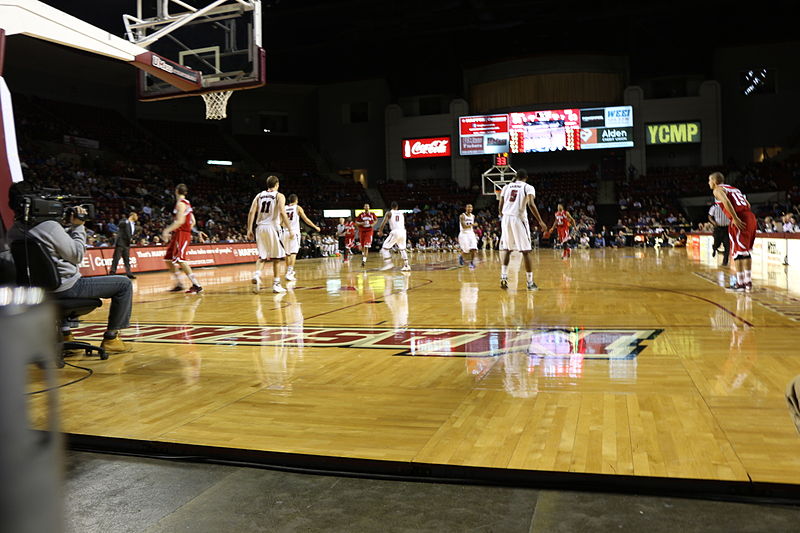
x=418 y=342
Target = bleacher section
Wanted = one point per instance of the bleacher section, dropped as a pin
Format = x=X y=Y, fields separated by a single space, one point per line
x=419 y=193
x=197 y=141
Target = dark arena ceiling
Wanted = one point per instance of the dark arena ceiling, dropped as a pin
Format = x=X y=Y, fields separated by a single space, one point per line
x=423 y=46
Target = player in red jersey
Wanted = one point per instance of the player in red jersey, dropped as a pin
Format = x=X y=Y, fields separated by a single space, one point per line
x=563 y=222
x=349 y=238
x=741 y=231
x=366 y=224
x=179 y=235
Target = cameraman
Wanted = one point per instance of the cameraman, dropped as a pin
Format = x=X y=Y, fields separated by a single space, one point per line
x=67 y=247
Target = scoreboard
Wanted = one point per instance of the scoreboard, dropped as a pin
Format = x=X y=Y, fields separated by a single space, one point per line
x=547 y=131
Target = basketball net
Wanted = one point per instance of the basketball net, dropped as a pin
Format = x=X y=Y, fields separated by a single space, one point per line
x=216 y=104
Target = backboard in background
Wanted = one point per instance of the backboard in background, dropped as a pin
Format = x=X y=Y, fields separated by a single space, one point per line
x=219 y=39
x=497 y=177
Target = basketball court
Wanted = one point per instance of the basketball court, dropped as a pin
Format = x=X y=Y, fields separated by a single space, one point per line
x=628 y=368
x=632 y=364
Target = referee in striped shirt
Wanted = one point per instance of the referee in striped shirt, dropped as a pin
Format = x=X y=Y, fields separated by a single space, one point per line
x=720 y=221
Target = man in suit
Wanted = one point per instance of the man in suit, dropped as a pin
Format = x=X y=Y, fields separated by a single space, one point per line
x=122 y=244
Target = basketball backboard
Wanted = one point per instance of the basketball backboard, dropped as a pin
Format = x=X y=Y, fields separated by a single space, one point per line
x=494 y=179
x=219 y=39
x=497 y=177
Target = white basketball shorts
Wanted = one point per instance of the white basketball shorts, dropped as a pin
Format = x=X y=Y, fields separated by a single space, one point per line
x=397 y=238
x=292 y=246
x=516 y=235
x=269 y=242
x=467 y=241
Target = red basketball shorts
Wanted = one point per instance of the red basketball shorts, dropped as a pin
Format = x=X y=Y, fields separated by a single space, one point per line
x=178 y=246
x=742 y=240
x=366 y=238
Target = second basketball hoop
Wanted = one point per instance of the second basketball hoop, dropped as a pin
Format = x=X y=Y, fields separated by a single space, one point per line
x=216 y=104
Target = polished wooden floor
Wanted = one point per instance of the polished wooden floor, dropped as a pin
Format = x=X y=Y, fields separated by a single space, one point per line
x=625 y=361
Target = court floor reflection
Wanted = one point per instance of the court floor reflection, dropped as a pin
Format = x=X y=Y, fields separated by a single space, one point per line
x=623 y=362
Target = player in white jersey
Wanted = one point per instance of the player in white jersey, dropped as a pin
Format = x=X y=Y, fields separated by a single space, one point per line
x=467 y=240
x=396 y=237
x=515 y=199
x=268 y=212
x=291 y=238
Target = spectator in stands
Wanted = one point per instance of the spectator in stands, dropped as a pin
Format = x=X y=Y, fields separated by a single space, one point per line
x=789 y=224
x=599 y=241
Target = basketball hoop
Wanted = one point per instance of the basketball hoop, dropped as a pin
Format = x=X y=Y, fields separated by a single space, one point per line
x=216 y=104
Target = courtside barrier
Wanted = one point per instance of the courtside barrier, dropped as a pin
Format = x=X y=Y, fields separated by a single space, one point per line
x=774 y=254
x=97 y=261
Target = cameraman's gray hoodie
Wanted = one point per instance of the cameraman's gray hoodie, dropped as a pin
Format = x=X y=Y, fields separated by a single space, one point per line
x=65 y=246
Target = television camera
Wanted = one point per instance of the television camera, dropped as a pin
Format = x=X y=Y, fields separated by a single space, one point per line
x=35 y=208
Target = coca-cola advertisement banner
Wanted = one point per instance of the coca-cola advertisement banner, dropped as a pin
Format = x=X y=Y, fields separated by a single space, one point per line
x=427 y=147
x=97 y=261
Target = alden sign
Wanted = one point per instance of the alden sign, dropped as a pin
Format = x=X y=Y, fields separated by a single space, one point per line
x=674 y=133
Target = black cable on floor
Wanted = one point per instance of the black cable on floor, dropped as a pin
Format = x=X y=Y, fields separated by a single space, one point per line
x=89 y=372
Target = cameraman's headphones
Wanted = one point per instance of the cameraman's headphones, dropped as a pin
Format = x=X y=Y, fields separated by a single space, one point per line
x=18 y=201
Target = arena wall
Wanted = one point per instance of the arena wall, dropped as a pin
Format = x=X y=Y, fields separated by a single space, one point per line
x=400 y=127
x=706 y=107
x=761 y=120
x=557 y=80
x=353 y=145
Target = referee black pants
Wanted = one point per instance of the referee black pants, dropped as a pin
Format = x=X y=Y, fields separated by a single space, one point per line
x=721 y=237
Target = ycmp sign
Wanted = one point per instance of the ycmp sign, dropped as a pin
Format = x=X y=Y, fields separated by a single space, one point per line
x=428 y=147
x=673 y=133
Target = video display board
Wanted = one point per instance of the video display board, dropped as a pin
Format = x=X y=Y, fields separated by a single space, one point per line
x=547 y=131
x=484 y=134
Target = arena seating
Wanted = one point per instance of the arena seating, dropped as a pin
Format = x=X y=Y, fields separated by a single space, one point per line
x=138 y=164
x=196 y=141
x=283 y=154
